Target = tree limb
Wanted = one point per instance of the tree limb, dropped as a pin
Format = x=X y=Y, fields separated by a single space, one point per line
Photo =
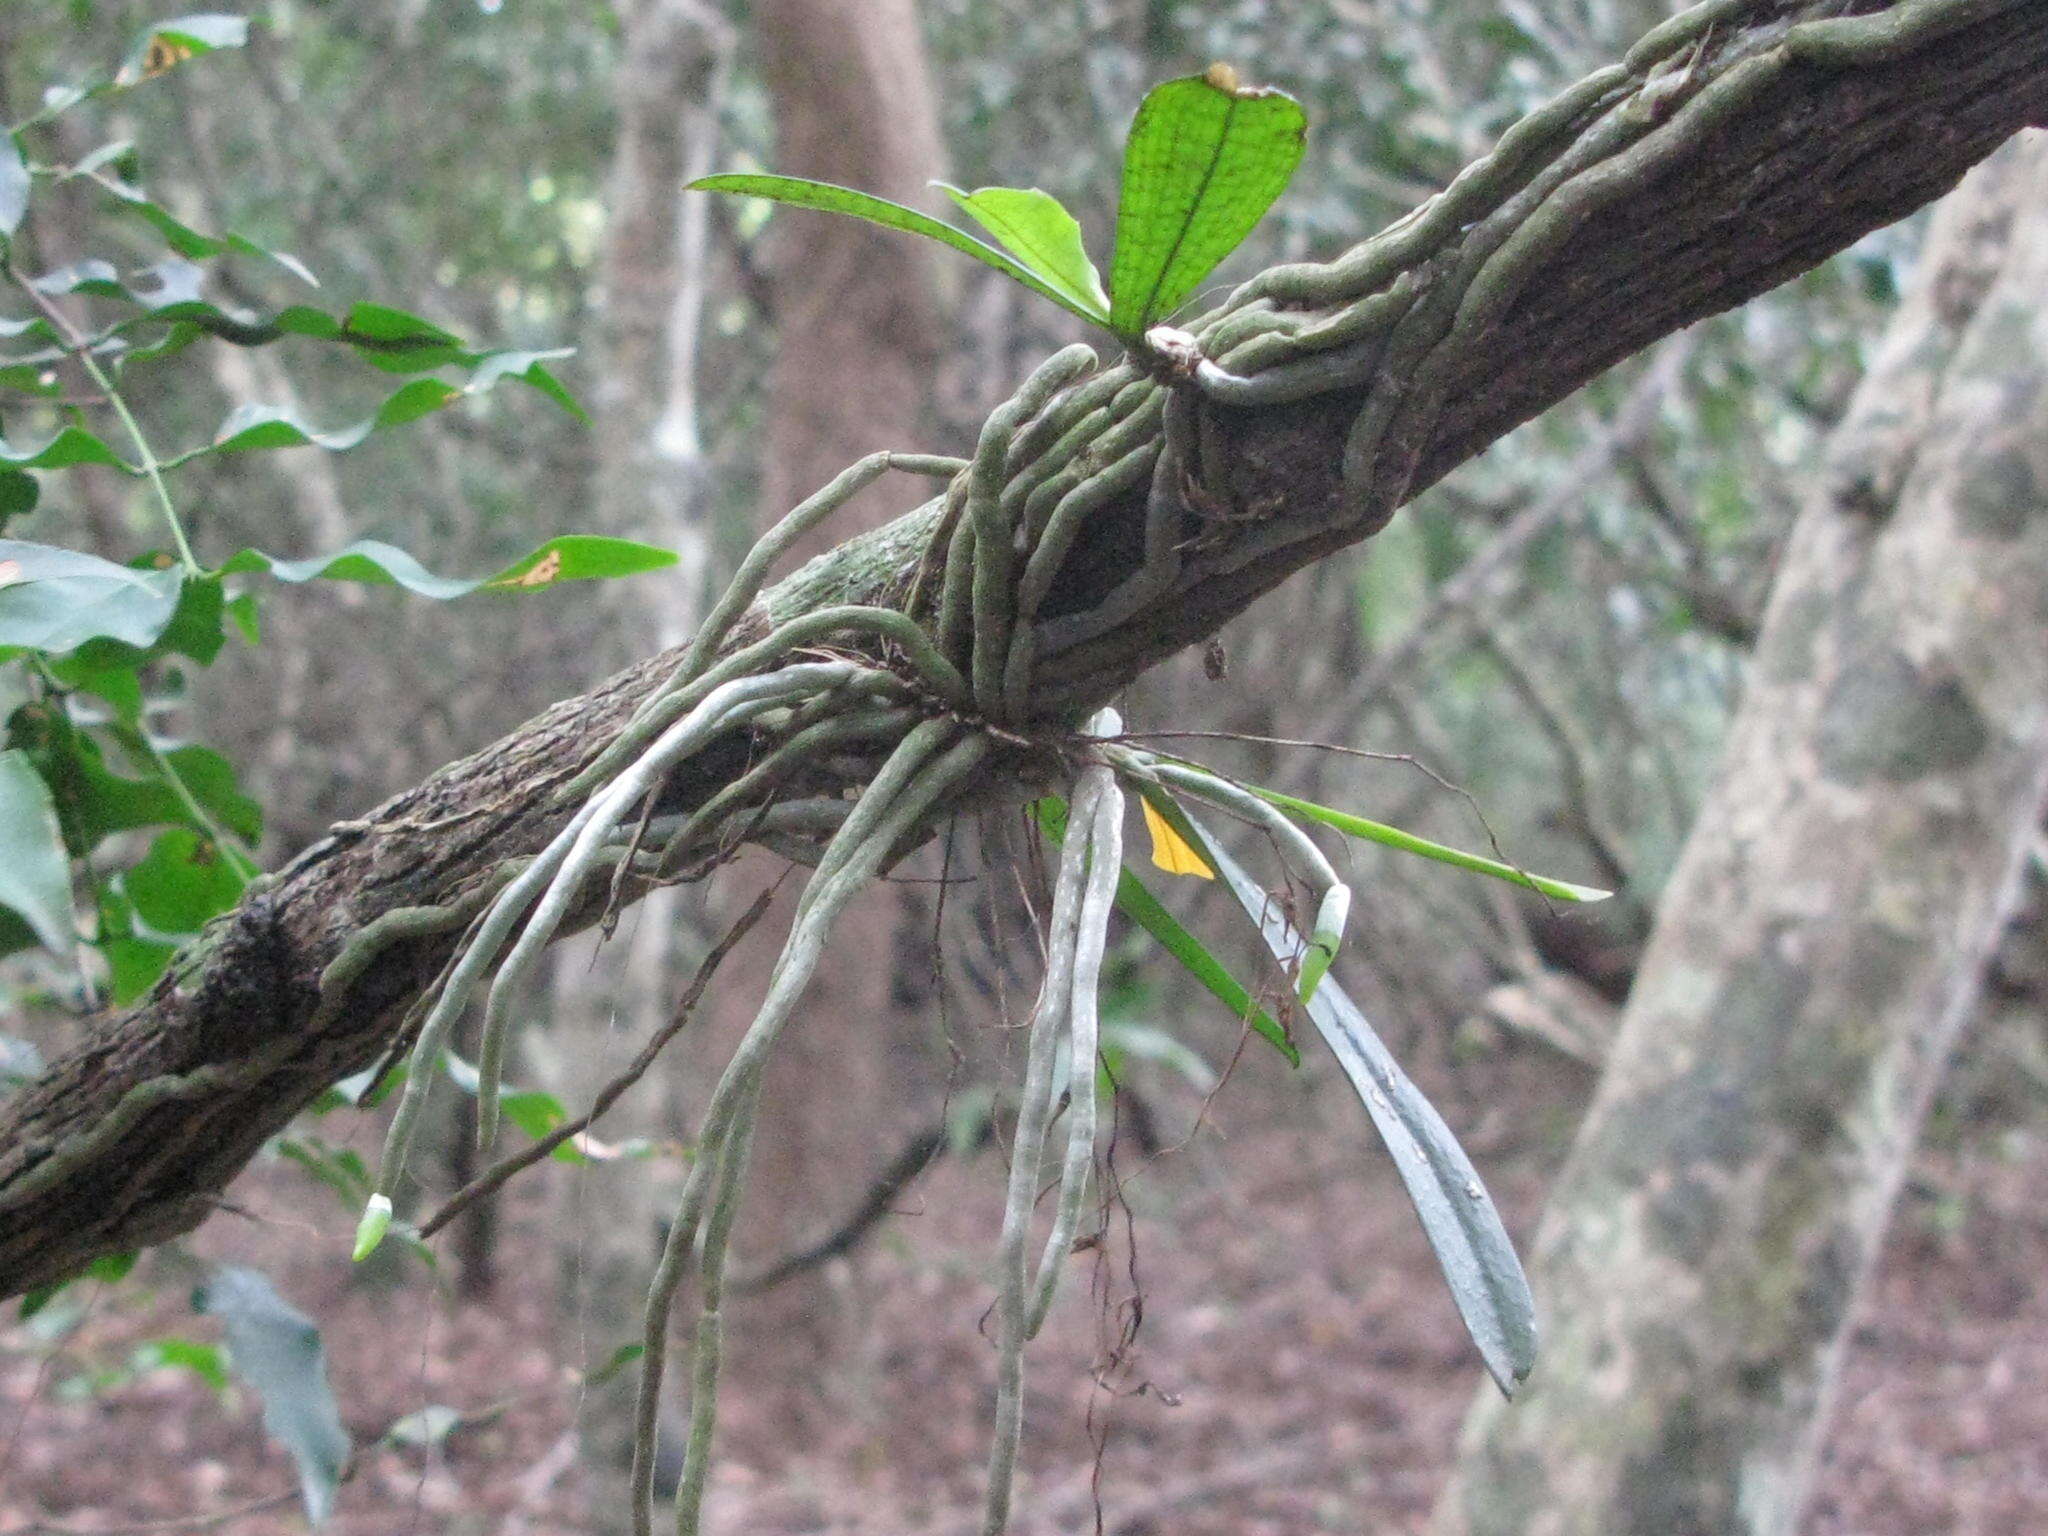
x=1719 y=161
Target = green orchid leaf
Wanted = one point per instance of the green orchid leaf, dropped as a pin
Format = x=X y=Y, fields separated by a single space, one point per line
x=1038 y=231
x=35 y=873
x=1458 y=1216
x=824 y=197
x=1138 y=904
x=570 y=557
x=1408 y=842
x=1205 y=160
x=55 y=600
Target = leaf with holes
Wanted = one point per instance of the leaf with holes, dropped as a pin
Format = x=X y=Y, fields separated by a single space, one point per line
x=1206 y=158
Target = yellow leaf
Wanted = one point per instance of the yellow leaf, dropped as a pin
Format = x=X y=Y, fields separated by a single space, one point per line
x=544 y=570
x=1170 y=850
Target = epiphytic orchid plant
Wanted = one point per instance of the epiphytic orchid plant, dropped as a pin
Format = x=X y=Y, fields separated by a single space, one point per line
x=1206 y=157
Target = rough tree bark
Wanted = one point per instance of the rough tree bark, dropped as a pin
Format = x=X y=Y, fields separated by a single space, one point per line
x=1717 y=162
x=1820 y=945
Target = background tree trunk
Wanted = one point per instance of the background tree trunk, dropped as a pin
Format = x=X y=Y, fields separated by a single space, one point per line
x=1821 y=943
x=651 y=482
x=858 y=334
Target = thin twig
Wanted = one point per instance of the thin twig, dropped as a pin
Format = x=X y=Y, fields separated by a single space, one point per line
x=499 y=1173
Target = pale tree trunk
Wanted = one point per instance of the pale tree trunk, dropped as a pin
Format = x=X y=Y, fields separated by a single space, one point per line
x=1820 y=945
x=651 y=483
x=858 y=333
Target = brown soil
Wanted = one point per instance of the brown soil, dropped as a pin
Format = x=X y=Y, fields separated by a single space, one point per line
x=1298 y=1369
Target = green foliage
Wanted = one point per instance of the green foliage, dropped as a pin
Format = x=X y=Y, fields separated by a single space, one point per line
x=1408 y=842
x=94 y=638
x=1205 y=159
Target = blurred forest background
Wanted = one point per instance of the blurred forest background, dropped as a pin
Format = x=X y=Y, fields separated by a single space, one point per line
x=1562 y=630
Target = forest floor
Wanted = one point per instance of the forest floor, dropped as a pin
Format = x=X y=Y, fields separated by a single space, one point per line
x=1298 y=1368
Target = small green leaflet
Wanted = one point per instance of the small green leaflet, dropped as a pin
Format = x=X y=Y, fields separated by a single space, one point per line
x=183 y=881
x=256 y=425
x=170 y=43
x=35 y=875
x=14 y=185
x=1038 y=231
x=1206 y=158
x=569 y=557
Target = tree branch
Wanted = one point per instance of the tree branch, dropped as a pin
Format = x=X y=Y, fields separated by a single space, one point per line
x=1663 y=191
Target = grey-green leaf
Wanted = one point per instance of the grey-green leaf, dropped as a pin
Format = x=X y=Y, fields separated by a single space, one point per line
x=824 y=197
x=54 y=600
x=1038 y=231
x=276 y=1349
x=1458 y=1216
x=14 y=185
x=1205 y=160
x=35 y=876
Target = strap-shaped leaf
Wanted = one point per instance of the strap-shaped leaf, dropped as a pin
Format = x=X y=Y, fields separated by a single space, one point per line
x=1205 y=160
x=35 y=875
x=1035 y=228
x=824 y=197
x=1408 y=842
x=1458 y=1216
x=568 y=557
